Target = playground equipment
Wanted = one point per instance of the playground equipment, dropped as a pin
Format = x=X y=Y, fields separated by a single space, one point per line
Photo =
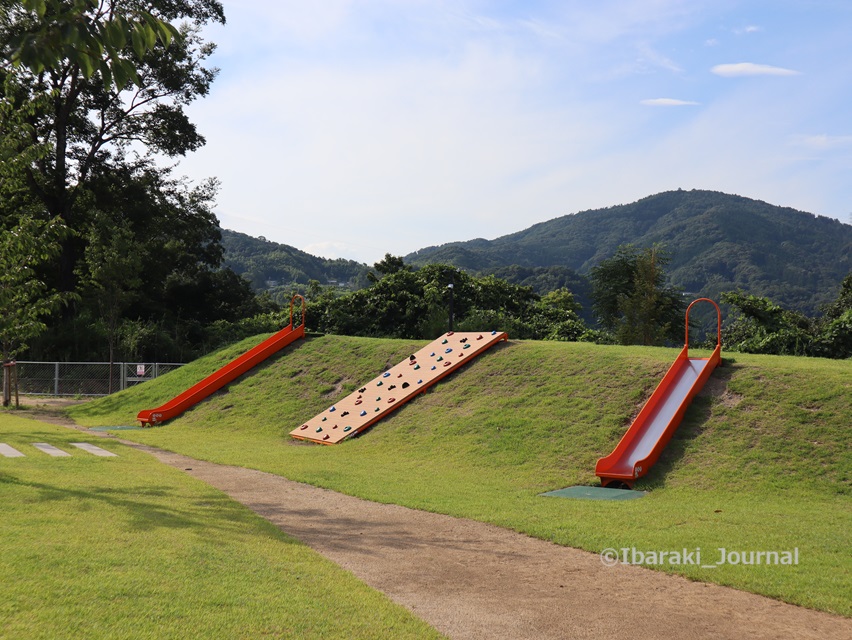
x=228 y=373
x=396 y=386
x=644 y=441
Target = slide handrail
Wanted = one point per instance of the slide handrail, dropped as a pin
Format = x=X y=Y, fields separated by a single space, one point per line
x=292 y=301
x=718 y=322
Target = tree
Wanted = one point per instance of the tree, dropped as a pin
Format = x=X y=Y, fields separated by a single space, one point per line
x=24 y=298
x=98 y=109
x=631 y=299
x=112 y=274
x=88 y=33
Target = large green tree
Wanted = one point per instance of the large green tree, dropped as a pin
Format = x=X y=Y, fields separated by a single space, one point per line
x=92 y=119
x=632 y=300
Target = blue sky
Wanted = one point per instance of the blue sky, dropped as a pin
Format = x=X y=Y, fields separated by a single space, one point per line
x=352 y=128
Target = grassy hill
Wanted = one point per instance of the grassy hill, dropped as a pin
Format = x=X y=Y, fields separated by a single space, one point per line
x=761 y=462
x=717 y=241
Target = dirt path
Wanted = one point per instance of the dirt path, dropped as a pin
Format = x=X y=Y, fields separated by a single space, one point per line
x=473 y=580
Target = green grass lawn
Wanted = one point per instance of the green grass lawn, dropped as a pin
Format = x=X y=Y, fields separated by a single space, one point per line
x=761 y=462
x=127 y=547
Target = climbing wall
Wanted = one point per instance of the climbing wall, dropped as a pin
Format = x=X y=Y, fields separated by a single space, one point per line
x=396 y=386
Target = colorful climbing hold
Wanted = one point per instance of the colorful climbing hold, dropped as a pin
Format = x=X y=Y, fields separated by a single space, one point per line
x=386 y=374
x=357 y=402
x=448 y=350
x=326 y=437
x=467 y=346
x=303 y=427
x=493 y=333
x=362 y=389
x=419 y=382
x=345 y=413
x=379 y=383
x=433 y=368
x=399 y=375
x=480 y=337
x=332 y=410
x=334 y=427
x=378 y=398
x=348 y=429
x=391 y=400
x=440 y=358
x=324 y=418
x=363 y=413
x=416 y=367
x=447 y=363
x=444 y=341
x=393 y=386
x=405 y=385
x=319 y=429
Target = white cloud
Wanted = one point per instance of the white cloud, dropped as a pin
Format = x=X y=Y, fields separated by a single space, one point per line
x=740 y=69
x=667 y=102
x=822 y=142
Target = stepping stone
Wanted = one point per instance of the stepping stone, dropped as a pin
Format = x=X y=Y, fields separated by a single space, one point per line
x=50 y=450
x=9 y=452
x=95 y=451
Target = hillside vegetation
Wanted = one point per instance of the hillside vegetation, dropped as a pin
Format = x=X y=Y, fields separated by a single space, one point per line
x=718 y=242
x=270 y=265
x=762 y=460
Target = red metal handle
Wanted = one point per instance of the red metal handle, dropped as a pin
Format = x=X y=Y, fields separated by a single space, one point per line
x=718 y=321
x=292 y=302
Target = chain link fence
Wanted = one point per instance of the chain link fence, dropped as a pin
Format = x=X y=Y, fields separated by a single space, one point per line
x=85 y=378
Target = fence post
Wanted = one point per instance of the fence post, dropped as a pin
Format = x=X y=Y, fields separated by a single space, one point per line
x=56 y=378
x=122 y=384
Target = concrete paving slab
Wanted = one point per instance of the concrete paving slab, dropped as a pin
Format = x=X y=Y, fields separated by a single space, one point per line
x=95 y=451
x=50 y=450
x=9 y=452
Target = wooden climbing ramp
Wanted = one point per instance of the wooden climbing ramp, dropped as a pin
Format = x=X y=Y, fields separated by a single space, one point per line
x=396 y=386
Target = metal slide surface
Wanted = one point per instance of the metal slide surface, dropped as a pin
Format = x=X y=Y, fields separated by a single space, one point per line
x=226 y=374
x=396 y=386
x=644 y=441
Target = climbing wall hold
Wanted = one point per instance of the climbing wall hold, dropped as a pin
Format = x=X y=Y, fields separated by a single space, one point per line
x=326 y=437
x=444 y=341
x=378 y=398
x=448 y=350
x=479 y=337
x=303 y=427
x=447 y=363
x=416 y=367
x=449 y=333
x=463 y=340
x=357 y=402
x=391 y=400
x=347 y=429
x=363 y=413
x=379 y=383
x=419 y=382
x=386 y=374
x=439 y=358
x=433 y=368
x=332 y=410
x=467 y=346
x=324 y=418
x=362 y=389
x=405 y=385
x=319 y=429
x=393 y=386
x=334 y=427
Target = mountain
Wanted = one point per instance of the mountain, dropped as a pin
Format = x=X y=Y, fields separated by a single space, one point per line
x=717 y=242
x=269 y=264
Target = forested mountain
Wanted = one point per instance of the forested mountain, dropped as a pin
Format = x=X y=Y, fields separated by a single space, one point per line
x=269 y=264
x=717 y=242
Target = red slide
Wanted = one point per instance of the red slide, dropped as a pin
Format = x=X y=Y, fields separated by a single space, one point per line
x=228 y=373
x=644 y=441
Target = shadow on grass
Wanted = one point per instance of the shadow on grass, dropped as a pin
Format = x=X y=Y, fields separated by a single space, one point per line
x=146 y=507
x=694 y=423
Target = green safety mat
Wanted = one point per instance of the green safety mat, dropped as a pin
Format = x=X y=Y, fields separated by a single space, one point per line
x=594 y=493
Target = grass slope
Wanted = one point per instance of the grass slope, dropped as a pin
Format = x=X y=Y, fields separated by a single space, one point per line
x=127 y=547
x=761 y=462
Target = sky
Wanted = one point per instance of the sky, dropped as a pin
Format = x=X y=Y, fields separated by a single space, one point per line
x=355 y=128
